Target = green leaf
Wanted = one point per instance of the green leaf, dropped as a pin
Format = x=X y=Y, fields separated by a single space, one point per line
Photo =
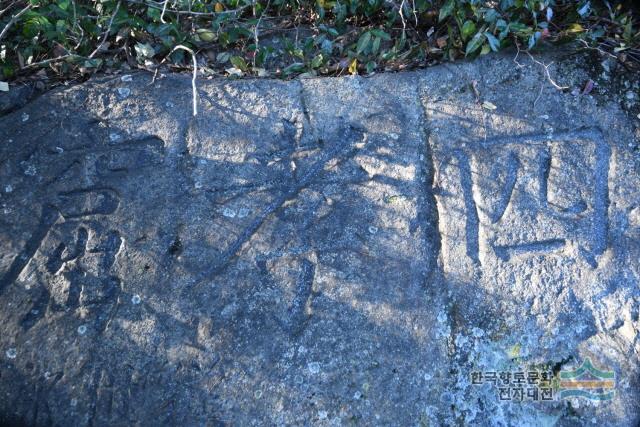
x=376 y=45
x=317 y=60
x=371 y=66
x=239 y=63
x=93 y=63
x=474 y=44
x=363 y=42
x=223 y=57
x=144 y=50
x=34 y=25
x=206 y=35
x=379 y=33
x=329 y=30
x=468 y=28
x=293 y=68
x=446 y=10
x=494 y=43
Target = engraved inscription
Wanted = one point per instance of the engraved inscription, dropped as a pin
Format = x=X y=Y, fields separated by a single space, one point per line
x=534 y=195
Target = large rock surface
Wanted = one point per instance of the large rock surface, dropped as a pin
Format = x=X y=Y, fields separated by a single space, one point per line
x=321 y=251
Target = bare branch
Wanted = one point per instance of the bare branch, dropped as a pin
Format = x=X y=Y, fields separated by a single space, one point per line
x=106 y=33
x=255 y=31
x=2 y=12
x=14 y=19
x=51 y=60
x=160 y=6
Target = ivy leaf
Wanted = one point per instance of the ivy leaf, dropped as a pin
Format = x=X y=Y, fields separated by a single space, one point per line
x=317 y=61
x=144 y=50
x=371 y=66
x=381 y=34
x=468 y=28
x=363 y=42
x=239 y=63
x=376 y=45
x=223 y=57
x=494 y=43
x=206 y=35
x=296 y=67
x=474 y=44
x=446 y=10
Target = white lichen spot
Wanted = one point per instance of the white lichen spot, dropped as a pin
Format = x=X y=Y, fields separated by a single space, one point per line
x=25 y=117
x=11 y=353
x=124 y=92
x=461 y=340
x=197 y=185
x=314 y=367
x=243 y=212
x=114 y=137
x=82 y=329
x=135 y=300
x=169 y=104
x=229 y=213
x=8 y=188
x=394 y=136
x=477 y=332
x=357 y=395
x=229 y=310
x=373 y=229
x=30 y=170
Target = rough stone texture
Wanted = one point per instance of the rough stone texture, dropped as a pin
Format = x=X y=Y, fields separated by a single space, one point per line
x=322 y=251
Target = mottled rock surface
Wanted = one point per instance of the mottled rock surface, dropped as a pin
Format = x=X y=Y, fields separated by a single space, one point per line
x=321 y=251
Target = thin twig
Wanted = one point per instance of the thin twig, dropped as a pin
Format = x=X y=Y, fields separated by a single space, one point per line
x=14 y=19
x=255 y=31
x=2 y=12
x=164 y=9
x=106 y=33
x=515 y=59
x=51 y=60
x=75 y=24
x=546 y=69
x=195 y=74
x=404 y=24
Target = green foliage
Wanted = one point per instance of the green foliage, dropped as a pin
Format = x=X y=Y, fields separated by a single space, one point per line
x=71 y=38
